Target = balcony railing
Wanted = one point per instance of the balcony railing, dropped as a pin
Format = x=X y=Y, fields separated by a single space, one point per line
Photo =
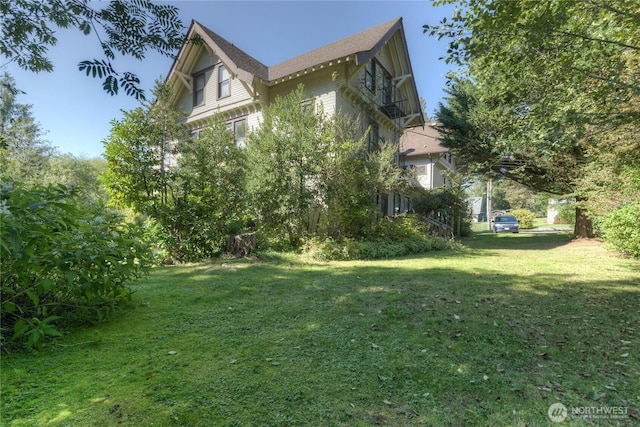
x=390 y=104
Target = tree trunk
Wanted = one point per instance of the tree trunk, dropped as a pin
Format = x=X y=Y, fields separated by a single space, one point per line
x=241 y=245
x=584 y=227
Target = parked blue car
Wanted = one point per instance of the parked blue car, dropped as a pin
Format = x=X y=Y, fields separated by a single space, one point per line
x=505 y=224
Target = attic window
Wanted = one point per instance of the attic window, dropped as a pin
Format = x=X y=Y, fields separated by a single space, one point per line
x=199 y=81
x=224 y=82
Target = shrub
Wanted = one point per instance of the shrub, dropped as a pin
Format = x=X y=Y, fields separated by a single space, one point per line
x=392 y=237
x=62 y=259
x=621 y=229
x=566 y=212
x=525 y=217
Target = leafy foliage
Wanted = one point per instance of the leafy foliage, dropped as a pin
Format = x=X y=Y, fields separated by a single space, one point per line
x=447 y=204
x=311 y=176
x=125 y=27
x=391 y=238
x=211 y=174
x=192 y=188
x=62 y=259
x=24 y=153
x=286 y=154
x=621 y=229
x=524 y=216
x=545 y=89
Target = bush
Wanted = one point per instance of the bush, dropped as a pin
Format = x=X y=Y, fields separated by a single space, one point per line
x=621 y=229
x=392 y=237
x=449 y=202
x=525 y=217
x=62 y=259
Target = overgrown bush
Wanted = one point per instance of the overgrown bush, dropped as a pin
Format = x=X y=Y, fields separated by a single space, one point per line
x=62 y=259
x=621 y=229
x=448 y=202
x=391 y=238
x=524 y=216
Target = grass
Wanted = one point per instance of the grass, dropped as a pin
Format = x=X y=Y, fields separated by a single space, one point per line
x=490 y=335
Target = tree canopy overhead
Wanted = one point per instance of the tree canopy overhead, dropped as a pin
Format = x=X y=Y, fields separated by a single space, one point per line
x=122 y=27
x=545 y=90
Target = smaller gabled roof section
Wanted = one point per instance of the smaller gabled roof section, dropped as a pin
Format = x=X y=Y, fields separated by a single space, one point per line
x=239 y=62
x=364 y=45
x=234 y=57
x=421 y=140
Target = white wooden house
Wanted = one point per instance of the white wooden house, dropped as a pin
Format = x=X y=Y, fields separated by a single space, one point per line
x=367 y=76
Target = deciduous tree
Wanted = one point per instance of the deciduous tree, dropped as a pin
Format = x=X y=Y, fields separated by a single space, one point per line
x=24 y=153
x=542 y=86
x=122 y=27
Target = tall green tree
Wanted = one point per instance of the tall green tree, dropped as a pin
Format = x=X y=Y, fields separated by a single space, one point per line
x=141 y=151
x=130 y=28
x=286 y=154
x=24 y=153
x=81 y=173
x=193 y=188
x=539 y=86
x=211 y=173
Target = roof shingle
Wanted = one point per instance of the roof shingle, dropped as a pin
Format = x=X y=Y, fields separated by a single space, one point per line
x=363 y=44
x=421 y=140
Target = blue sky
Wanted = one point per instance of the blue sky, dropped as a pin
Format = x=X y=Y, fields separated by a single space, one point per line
x=76 y=113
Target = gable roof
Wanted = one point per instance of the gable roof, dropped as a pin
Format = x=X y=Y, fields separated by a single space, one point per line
x=232 y=55
x=364 y=45
x=421 y=140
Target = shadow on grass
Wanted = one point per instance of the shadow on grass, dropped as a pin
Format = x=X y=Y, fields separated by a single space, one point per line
x=526 y=241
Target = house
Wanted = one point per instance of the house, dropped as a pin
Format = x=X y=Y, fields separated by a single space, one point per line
x=367 y=76
x=421 y=151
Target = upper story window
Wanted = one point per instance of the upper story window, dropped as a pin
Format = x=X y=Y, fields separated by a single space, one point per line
x=199 y=81
x=224 y=82
x=370 y=76
x=240 y=132
x=373 y=139
x=239 y=129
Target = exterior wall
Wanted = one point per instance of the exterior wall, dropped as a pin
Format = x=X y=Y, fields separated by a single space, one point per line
x=435 y=170
x=318 y=85
x=326 y=85
x=239 y=96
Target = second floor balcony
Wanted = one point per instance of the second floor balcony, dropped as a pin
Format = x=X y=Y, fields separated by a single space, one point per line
x=391 y=103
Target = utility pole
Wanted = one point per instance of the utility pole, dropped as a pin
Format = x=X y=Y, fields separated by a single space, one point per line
x=489 y=191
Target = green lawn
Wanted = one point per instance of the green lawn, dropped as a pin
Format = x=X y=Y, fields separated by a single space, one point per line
x=490 y=335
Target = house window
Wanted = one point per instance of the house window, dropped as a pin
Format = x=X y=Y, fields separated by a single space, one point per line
x=397 y=199
x=370 y=76
x=421 y=170
x=239 y=129
x=224 y=82
x=199 y=81
x=373 y=138
x=240 y=132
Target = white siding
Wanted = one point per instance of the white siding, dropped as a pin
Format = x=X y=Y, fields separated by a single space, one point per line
x=318 y=85
x=206 y=60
